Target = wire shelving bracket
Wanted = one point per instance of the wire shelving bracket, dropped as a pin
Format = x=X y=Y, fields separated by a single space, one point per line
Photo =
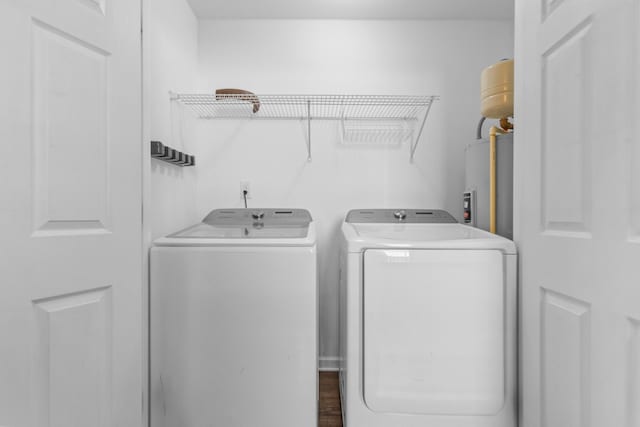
x=409 y=110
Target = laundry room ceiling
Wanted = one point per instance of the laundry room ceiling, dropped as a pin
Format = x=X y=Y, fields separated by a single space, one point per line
x=353 y=9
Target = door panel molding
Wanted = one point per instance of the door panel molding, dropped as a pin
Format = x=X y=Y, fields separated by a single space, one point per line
x=72 y=358
x=550 y=6
x=97 y=5
x=566 y=140
x=565 y=333
x=70 y=134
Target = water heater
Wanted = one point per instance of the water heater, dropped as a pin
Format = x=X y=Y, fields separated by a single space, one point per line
x=477 y=185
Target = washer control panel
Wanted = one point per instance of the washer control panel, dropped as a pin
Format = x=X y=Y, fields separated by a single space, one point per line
x=259 y=217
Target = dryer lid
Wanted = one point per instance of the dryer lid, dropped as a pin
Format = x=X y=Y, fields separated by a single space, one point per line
x=361 y=236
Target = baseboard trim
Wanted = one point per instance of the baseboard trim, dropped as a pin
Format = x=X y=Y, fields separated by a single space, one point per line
x=329 y=363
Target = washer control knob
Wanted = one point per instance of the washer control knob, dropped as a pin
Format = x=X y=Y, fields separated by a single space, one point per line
x=257 y=214
x=400 y=215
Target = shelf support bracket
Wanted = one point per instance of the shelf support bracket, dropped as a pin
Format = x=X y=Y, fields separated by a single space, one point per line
x=308 y=130
x=414 y=145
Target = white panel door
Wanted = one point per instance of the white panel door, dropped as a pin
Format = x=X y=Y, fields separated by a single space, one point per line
x=70 y=252
x=577 y=156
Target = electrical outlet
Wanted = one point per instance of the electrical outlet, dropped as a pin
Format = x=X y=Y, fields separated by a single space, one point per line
x=245 y=186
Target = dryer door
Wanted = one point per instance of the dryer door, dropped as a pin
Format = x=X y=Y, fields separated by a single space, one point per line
x=434 y=332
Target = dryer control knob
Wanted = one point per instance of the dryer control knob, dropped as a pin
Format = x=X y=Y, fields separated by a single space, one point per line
x=257 y=214
x=400 y=215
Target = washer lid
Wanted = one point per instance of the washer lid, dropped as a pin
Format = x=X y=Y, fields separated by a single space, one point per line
x=255 y=223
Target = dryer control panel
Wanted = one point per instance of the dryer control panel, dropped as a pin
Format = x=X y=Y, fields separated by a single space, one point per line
x=410 y=216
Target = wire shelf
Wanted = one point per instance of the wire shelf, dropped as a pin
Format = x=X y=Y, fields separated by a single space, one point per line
x=296 y=107
x=412 y=110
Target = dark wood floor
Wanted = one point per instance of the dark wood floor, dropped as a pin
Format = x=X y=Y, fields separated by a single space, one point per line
x=329 y=413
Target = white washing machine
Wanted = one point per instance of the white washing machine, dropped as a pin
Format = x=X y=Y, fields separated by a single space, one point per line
x=427 y=322
x=234 y=311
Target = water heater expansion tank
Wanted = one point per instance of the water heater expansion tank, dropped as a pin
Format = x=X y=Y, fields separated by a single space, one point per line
x=496 y=90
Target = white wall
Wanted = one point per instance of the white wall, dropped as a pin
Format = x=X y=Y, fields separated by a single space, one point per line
x=351 y=57
x=171 y=63
x=169 y=53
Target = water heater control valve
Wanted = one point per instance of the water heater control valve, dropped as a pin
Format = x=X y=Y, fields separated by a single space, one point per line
x=468 y=208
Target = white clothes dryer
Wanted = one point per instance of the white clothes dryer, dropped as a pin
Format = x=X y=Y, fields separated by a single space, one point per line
x=427 y=322
x=234 y=321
